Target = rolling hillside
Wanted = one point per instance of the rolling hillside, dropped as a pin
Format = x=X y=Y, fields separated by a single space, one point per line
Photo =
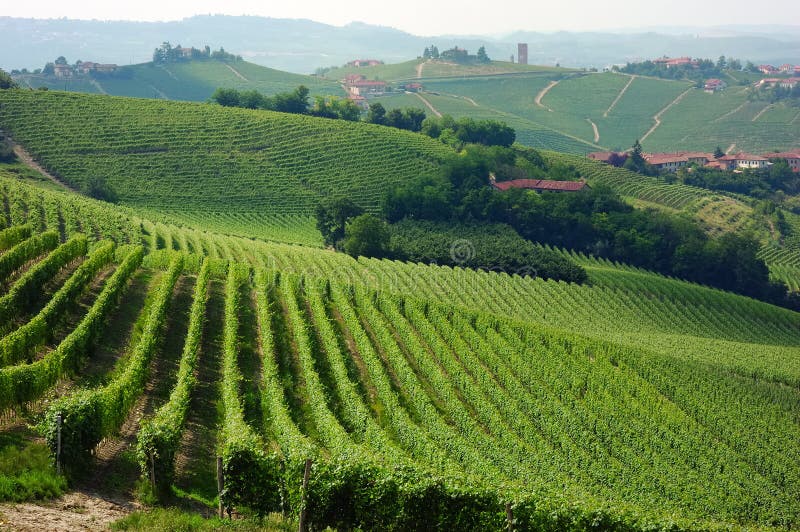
x=236 y=166
x=191 y=81
x=260 y=174
x=419 y=68
x=613 y=110
x=420 y=384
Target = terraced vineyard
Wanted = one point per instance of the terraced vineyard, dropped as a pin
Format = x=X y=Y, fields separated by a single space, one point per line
x=623 y=108
x=437 y=69
x=400 y=401
x=528 y=132
x=207 y=159
x=192 y=81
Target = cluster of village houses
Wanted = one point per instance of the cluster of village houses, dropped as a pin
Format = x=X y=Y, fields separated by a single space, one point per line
x=672 y=162
x=83 y=67
x=359 y=88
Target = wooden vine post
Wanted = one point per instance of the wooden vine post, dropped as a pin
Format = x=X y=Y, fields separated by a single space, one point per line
x=220 y=486
x=509 y=518
x=302 y=525
x=59 y=420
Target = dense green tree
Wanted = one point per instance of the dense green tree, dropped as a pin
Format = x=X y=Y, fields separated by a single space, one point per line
x=226 y=97
x=718 y=152
x=482 y=57
x=376 y=114
x=366 y=235
x=6 y=82
x=332 y=215
x=98 y=188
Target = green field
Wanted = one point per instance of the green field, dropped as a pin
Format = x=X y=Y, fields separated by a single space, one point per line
x=192 y=81
x=419 y=68
x=242 y=166
x=623 y=108
x=430 y=376
x=201 y=318
x=183 y=327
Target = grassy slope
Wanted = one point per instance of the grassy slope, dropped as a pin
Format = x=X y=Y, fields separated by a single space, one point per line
x=695 y=350
x=641 y=309
x=698 y=121
x=436 y=69
x=193 y=81
x=206 y=159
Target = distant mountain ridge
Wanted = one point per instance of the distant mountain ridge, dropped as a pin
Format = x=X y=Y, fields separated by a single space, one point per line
x=300 y=46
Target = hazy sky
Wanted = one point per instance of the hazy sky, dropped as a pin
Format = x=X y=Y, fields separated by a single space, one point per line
x=434 y=17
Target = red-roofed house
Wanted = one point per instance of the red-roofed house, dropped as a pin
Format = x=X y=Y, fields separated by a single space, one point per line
x=614 y=158
x=792 y=157
x=670 y=62
x=789 y=83
x=364 y=62
x=768 y=81
x=714 y=85
x=352 y=78
x=744 y=160
x=413 y=87
x=768 y=69
x=367 y=87
x=787 y=68
x=667 y=161
x=62 y=71
x=541 y=185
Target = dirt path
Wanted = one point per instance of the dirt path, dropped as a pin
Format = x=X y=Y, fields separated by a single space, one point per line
x=26 y=159
x=761 y=112
x=730 y=149
x=97 y=86
x=160 y=94
x=542 y=94
x=657 y=116
x=596 y=131
x=429 y=105
x=195 y=460
x=729 y=113
x=115 y=469
x=236 y=72
x=170 y=74
x=76 y=510
x=419 y=69
x=619 y=96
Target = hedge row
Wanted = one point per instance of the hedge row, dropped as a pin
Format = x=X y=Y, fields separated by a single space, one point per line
x=26 y=382
x=251 y=474
x=13 y=236
x=159 y=436
x=27 y=288
x=26 y=250
x=92 y=414
x=21 y=343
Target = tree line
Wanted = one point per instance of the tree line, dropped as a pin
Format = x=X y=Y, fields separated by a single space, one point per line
x=166 y=53
x=451 y=131
x=595 y=221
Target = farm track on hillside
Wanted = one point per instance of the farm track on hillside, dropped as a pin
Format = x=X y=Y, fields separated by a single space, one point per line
x=429 y=105
x=595 y=130
x=28 y=161
x=657 y=116
x=761 y=112
x=542 y=93
x=618 y=98
x=237 y=73
x=729 y=113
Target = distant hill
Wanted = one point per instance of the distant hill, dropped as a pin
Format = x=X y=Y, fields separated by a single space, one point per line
x=420 y=68
x=302 y=45
x=190 y=81
x=613 y=110
x=232 y=169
